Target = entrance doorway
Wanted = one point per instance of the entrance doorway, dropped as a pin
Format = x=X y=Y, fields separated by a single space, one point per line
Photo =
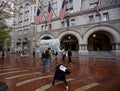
x=46 y=37
x=99 y=41
x=69 y=41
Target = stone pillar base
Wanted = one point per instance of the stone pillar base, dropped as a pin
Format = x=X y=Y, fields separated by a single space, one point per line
x=83 y=52
x=116 y=52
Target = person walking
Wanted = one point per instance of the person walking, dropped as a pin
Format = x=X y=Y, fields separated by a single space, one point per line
x=44 y=57
x=60 y=74
x=69 y=55
x=63 y=55
x=52 y=55
x=56 y=55
x=33 y=54
x=3 y=56
x=48 y=58
x=3 y=86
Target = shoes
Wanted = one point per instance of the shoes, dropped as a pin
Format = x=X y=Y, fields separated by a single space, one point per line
x=66 y=87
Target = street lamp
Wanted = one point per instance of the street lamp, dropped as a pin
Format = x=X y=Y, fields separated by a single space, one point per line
x=67 y=20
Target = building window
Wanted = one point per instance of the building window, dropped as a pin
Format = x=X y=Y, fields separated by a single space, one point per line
x=42 y=27
x=21 y=7
x=35 y=9
x=51 y=1
x=72 y=22
x=46 y=27
x=93 y=4
x=63 y=24
x=91 y=19
x=98 y=18
x=26 y=5
x=50 y=26
x=105 y=16
x=69 y=8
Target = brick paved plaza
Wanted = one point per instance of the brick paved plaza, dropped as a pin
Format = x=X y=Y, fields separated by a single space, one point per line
x=87 y=74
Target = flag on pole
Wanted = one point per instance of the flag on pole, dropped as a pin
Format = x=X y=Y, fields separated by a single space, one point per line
x=49 y=13
x=62 y=10
x=98 y=6
x=81 y=7
x=38 y=17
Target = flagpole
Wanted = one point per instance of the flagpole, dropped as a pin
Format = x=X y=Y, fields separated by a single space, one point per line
x=54 y=12
x=43 y=14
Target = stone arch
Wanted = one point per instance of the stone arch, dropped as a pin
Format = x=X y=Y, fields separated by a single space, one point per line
x=75 y=35
x=113 y=35
x=73 y=32
x=45 y=35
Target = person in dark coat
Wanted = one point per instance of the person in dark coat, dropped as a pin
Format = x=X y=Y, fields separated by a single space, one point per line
x=33 y=54
x=47 y=62
x=69 y=55
x=3 y=56
x=44 y=57
x=3 y=86
x=60 y=74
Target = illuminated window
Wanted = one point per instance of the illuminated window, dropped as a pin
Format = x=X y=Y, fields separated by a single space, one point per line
x=98 y=18
x=63 y=24
x=72 y=22
x=105 y=16
x=91 y=19
x=69 y=8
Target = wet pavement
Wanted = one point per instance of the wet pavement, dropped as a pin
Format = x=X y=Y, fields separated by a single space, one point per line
x=87 y=74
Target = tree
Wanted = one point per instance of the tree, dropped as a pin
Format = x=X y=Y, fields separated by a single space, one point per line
x=7 y=12
x=5 y=38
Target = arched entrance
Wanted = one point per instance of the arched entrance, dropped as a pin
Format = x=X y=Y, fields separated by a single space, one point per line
x=46 y=37
x=69 y=41
x=99 y=41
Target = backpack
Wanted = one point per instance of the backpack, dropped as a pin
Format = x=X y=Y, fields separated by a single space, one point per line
x=52 y=51
x=47 y=54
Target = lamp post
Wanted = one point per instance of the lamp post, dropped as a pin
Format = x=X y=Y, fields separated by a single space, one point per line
x=67 y=20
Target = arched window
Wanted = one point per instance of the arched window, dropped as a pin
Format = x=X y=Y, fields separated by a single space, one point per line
x=26 y=5
x=21 y=7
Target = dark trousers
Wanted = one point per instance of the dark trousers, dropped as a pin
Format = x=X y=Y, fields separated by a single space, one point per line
x=63 y=57
x=3 y=86
x=69 y=59
x=59 y=76
x=3 y=59
x=64 y=80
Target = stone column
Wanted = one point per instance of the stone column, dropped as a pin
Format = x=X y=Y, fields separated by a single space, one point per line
x=116 y=48
x=83 y=49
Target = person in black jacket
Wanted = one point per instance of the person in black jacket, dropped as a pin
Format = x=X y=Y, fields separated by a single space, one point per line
x=3 y=86
x=44 y=57
x=60 y=74
x=69 y=55
x=3 y=56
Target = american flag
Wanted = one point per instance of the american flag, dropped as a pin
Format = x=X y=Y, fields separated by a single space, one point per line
x=62 y=10
x=98 y=6
x=49 y=13
x=38 y=17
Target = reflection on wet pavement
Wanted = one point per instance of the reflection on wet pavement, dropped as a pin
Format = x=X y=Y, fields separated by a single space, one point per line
x=87 y=74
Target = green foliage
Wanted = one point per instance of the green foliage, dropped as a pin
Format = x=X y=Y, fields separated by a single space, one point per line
x=5 y=37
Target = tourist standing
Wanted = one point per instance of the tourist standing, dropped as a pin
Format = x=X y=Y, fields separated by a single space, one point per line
x=69 y=55
x=63 y=54
x=44 y=57
x=3 y=56
x=48 y=58
x=33 y=54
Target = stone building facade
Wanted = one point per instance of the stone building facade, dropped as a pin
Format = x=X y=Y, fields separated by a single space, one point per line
x=88 y=30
